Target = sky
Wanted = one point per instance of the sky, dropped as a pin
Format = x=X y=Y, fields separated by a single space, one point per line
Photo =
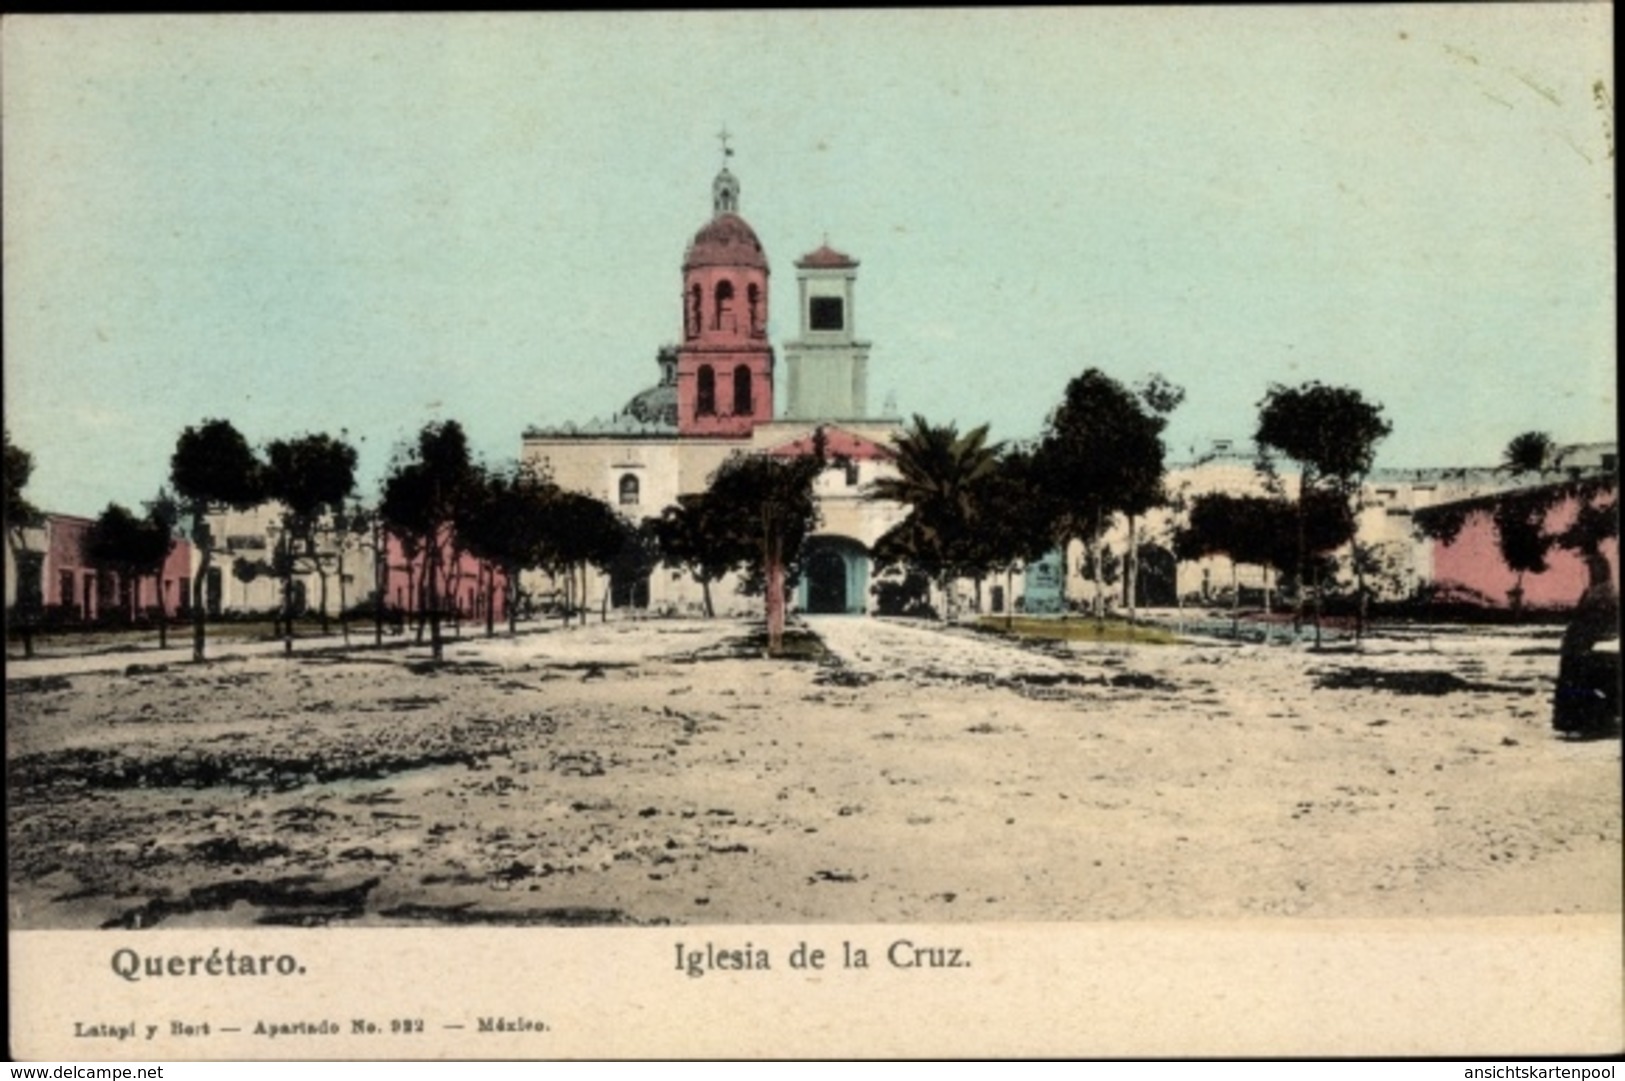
x=363 y=224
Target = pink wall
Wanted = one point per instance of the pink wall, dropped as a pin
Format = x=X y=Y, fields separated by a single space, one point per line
x=1473 y=560
x=66 y=580
x=464 y=583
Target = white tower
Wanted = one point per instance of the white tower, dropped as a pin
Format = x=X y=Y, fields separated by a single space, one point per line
x=827 y=367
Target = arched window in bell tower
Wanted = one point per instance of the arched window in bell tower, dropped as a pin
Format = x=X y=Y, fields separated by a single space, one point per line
x=724 y=319
x=691 y=324
x=705 y=398
x=742 y=395
x=753 y=300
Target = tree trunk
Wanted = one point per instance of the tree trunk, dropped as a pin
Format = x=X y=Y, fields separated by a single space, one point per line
x=1100 y=576
x=1133 y=567
x=18 y=542
x=490 y=600
x=344 y=618
x=510 y=584
x=417 y=582
x=775 y=594
x=380 y=584
x=705 y=591
x=200 y=540
x=163 y=614
x=321 y=578
x=1235 y=602
x=453 y=579
x=437 y=648
x=287 y=595
x=1066 y=573
x=1317 y=606
x=1009 y=598
x=1359 y=595
x=1303 y=542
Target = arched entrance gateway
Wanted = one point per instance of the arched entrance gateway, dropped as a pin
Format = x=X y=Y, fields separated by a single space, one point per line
x=834 y=577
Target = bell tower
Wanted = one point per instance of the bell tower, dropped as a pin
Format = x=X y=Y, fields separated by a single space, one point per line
x=725 y=364
x=827 y=364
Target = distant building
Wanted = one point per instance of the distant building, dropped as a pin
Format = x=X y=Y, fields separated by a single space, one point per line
x=52 y=573
x=1469 y=566
x=358 y=568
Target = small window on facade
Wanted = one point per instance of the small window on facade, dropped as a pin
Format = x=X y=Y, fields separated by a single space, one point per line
x=742 y=396
x=705 y=397
x=851 y=474
x=629 y=490
x=825 y=313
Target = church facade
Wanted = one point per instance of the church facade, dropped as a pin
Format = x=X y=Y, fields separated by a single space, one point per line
x=717 y=396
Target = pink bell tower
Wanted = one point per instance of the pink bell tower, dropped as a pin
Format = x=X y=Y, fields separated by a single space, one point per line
x=725 y=364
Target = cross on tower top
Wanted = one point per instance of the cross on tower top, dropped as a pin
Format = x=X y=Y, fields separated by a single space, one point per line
x=722 y=137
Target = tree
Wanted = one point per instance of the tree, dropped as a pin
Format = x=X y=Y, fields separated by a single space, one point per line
x=938 y=471
x=1161 y=397
x=1521 y=536
x=133 y=548
x=1102 y=454
x=420 y=499
x=1217 y=524
x=1529 y=452
x=212 y=468
x=1013 y=521
x=20 y=516
x=694 y=535
x=1331 y=433
x=507 y=522
x=352 y=528
x=772 y=500
x=310 y=476
x=582 y=531
x=1520 y=517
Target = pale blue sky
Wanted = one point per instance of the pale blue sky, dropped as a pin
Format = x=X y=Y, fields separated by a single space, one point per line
x=315 y=223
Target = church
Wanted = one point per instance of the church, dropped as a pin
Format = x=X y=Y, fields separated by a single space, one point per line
x=717 y=395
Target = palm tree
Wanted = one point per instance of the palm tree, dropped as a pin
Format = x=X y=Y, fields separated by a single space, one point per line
x=1520 y=516
x=938 y=471
x=1529 y=452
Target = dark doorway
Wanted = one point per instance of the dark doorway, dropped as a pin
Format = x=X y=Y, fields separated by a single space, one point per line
x=1157 y=584
x=628 y=589
x=826 y=582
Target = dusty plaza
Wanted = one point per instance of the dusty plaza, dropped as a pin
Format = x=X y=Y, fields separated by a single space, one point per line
x=655 y=772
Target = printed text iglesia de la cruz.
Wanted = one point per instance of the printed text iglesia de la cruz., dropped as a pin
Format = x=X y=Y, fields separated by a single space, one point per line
x=902 y=953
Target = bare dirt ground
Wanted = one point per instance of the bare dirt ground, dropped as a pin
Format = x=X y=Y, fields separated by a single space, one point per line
x=663 y=772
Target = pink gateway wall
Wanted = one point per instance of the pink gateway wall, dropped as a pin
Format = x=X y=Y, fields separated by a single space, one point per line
x=1474 y=561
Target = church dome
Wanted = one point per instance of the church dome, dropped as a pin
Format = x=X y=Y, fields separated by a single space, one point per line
x=725 y=240
x=657 y=405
